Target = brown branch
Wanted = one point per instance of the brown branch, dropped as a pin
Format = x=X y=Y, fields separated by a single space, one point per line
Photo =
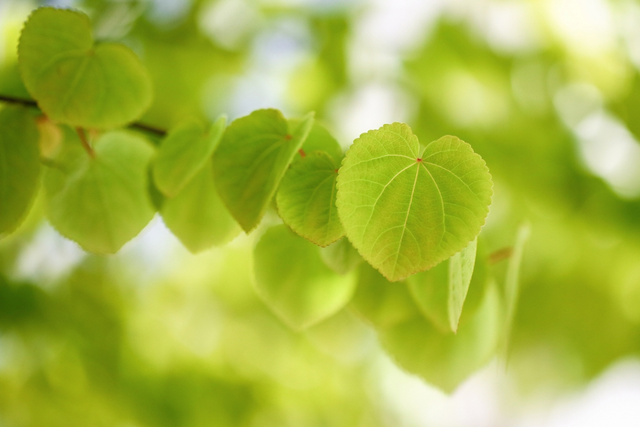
x=33 y=104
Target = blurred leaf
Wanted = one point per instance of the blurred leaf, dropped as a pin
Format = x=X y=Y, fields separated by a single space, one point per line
x=102 y=202
x=319 y=139
x=19 y=166
x=293 y=281
x=184 y=152
x=76 y=82
x=512 y=280
x=197 y=216
x=341 y=256
x=441 y=291
x=402 y=223
x=252 y=158
x=307 y=199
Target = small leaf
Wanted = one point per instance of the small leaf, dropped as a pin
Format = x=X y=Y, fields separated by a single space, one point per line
x=183 y=153
x=101 y=203
x=307 y=199
x=293 y=281
x=407 y=208
x=441 y=291
x=319 y=139
x=252 y=158
x=442 y=359
x=341 y=256
x=76 y=82
x=197 y=216
x=19 y=166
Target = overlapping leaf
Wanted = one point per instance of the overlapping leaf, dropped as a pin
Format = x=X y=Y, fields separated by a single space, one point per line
x=100 y=202
x=341 y=256
x=19 y=166
x=294 y=282
x=76 y=81
x=251 y=159
x=183 y=153
x=197 y=216
x=407 y=208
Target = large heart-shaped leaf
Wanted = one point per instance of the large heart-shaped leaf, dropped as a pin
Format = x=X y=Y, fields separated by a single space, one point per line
x=407 y=208
x=251 y=159
x=19 y=165
x=294 y=282
x=307 y=199
x=183 y=153
x=441 y=291
x=100 y=202
x=197 y=216
x=76 y=81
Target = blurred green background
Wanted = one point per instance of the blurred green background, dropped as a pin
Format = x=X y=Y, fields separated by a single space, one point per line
x=548 y=92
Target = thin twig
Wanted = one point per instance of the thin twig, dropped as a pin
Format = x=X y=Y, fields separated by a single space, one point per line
x=33 y=104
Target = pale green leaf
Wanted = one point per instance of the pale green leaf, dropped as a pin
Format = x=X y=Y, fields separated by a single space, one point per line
x=512 y=279
x=442 y=359
x=293 y=281
x=19 y=166
x=183 y=153
x=251 y=159
x=76 y=81
x=407 y=208
x=101 y=203
x=341 y=256
x=307 y=199
x=441 y=291
x=197 y=216
x=319 y=139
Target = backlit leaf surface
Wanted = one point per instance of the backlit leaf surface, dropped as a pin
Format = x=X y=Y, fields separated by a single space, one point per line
x=406 y=207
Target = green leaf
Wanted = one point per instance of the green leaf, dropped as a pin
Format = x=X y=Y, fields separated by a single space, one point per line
x=197 y=216
x=512 y=279
x=19 y=166
x=76 y=81
x=102 y=202
x=406 y=208
x=252 y=158
x=441 y=291
x=183 y=153
x=341 y=256
x=442 y=359
x=307 y=199
x=293 y=281
x=319 y=139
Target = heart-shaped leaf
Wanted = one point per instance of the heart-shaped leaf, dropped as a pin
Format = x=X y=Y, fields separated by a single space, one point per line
x=197 y=216
x=441 y=291
x=407 y=208
x=442 y=359
x=319 y=139
x=294 y=282
x=19 y=166
x=307 y=199
x=183 y=153
x=76 y=81
x=100 y=202
x=251 y=159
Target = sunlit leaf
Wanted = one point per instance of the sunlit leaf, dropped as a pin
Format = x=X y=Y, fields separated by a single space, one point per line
x=197 y=216
x=102 y=202
x=307 y=199
x=442 y=359
x=252 y=158
x=341 y=256
x=19 y=166
x=441 y=291
x=405 y=207
x=293 y=281
x=76 y=81
x=183 y=153
x=319 y=139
